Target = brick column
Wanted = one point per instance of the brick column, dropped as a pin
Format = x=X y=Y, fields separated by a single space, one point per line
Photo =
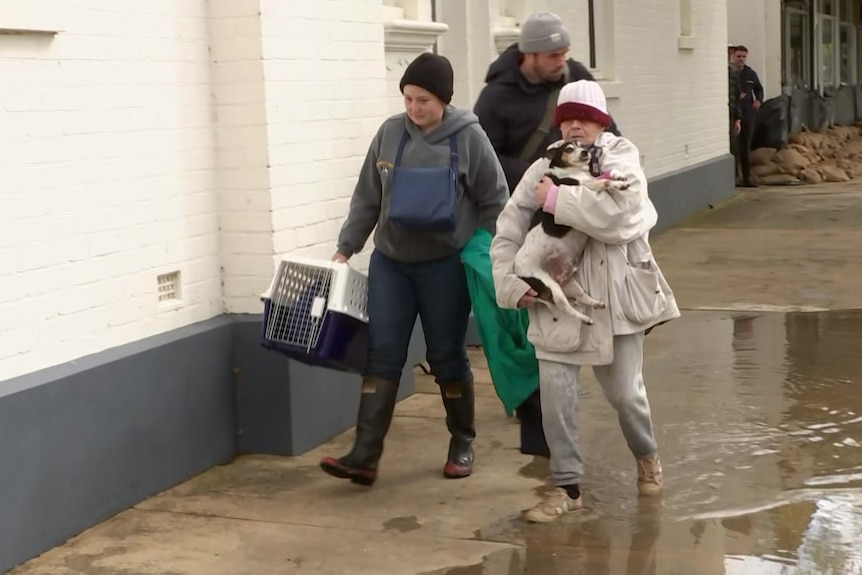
x=298 y=95
x=242 y=152
x=469 y=44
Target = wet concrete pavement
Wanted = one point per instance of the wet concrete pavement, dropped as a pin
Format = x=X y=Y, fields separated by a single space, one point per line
x=773 y=248
x=759 y=421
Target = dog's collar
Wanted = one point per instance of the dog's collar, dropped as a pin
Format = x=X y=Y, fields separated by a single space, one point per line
x=595 y=152
x=595 y=161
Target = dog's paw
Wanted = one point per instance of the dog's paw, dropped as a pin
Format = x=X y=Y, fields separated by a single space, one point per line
x=617 y=176
x=589 y=321
x=599 y=305
x=599 y=186
x=619 y=185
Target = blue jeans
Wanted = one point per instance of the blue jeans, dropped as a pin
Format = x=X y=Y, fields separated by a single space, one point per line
x=437 y=292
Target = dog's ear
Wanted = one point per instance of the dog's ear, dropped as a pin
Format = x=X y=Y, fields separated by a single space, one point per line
x=554 y=149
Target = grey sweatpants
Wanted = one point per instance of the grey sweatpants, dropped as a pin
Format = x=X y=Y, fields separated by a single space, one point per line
x=623 y=385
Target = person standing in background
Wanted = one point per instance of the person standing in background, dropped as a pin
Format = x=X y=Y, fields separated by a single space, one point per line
x=733 y=101
x=733 y=104
x=750 y=97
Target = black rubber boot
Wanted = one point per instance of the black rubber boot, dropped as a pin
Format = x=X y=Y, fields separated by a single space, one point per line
x=376 y=406
x=458 y=399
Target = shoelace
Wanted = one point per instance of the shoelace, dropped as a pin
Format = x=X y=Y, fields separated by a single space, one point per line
x=556 y=501
x=647 y=470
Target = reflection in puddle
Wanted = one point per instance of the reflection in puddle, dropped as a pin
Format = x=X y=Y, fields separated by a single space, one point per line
x=741 y=565
x=831 y=544
x=759 y=428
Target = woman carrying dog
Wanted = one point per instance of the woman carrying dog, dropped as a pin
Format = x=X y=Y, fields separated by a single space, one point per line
x=617 y=268
x=430 y=178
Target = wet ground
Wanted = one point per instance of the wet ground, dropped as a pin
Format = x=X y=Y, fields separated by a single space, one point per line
x=779 y=248
x=761 y=452
x=759 y=419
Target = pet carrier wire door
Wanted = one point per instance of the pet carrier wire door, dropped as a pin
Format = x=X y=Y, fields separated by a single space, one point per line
x=315 y=312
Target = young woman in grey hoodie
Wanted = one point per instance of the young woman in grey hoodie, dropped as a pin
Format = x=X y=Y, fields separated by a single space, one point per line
x=430 y=178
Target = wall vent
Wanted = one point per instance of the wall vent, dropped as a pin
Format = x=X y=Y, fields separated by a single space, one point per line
x=169 y=287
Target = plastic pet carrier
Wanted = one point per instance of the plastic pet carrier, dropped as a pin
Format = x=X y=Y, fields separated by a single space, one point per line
x=316 y=313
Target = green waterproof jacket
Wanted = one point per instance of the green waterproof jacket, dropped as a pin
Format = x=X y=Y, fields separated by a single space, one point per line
x=503 y=332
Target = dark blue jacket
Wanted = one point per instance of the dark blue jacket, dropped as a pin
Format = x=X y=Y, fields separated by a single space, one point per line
x=750 y=89
x=510 y=108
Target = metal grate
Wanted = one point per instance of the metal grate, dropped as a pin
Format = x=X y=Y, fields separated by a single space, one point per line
x=299 y=302
x=169 y=286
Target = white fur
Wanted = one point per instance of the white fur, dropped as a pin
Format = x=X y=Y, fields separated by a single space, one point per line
x=538 y=247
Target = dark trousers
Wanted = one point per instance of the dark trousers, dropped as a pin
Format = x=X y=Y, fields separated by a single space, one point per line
x=529 y=414
x=436 y=291
x=742 y=149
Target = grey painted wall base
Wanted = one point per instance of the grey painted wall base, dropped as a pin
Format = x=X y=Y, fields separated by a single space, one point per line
x=88 y=439
x=677 y=196
x=288 y=408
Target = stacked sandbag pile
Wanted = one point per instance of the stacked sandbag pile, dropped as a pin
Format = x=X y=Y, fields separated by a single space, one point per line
x=834 y=155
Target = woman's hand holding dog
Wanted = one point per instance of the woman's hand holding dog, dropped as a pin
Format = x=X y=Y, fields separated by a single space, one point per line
x=528 y=298
x=542 y=189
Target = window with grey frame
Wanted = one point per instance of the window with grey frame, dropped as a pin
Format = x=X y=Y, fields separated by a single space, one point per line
x=847 y=42
x=797 y=44
x=827 y=48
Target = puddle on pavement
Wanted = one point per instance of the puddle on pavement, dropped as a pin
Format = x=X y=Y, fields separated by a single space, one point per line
x=402 y=524
x=759 y=422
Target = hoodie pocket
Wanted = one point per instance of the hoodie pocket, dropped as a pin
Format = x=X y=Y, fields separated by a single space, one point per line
x=643 y=300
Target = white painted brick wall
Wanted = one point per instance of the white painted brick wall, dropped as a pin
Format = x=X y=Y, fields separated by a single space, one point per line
x=242 y=152
x=326 y=98
x=673 y=104
x=106 y=159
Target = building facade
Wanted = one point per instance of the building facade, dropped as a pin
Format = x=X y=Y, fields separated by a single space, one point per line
x=808 y=52
x=158 y=158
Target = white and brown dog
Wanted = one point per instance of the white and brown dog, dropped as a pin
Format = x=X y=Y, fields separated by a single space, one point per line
x=548 y=259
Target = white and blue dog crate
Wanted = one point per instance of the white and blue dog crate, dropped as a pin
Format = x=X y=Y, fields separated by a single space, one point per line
x=316 y=312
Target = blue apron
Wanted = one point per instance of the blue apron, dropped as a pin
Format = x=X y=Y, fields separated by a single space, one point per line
x=424 y=199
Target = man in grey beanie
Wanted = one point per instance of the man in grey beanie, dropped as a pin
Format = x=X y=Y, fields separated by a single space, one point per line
x=543 y=32
x=516 y=108
x=516 y=105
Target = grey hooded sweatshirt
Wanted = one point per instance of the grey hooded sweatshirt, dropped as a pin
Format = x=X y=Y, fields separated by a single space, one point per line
x=482 y=188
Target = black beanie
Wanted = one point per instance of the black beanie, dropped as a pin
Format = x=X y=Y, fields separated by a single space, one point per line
x=432 y=72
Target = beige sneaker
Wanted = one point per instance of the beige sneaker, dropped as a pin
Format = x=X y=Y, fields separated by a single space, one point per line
x=650 y=477
x=556 y=504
